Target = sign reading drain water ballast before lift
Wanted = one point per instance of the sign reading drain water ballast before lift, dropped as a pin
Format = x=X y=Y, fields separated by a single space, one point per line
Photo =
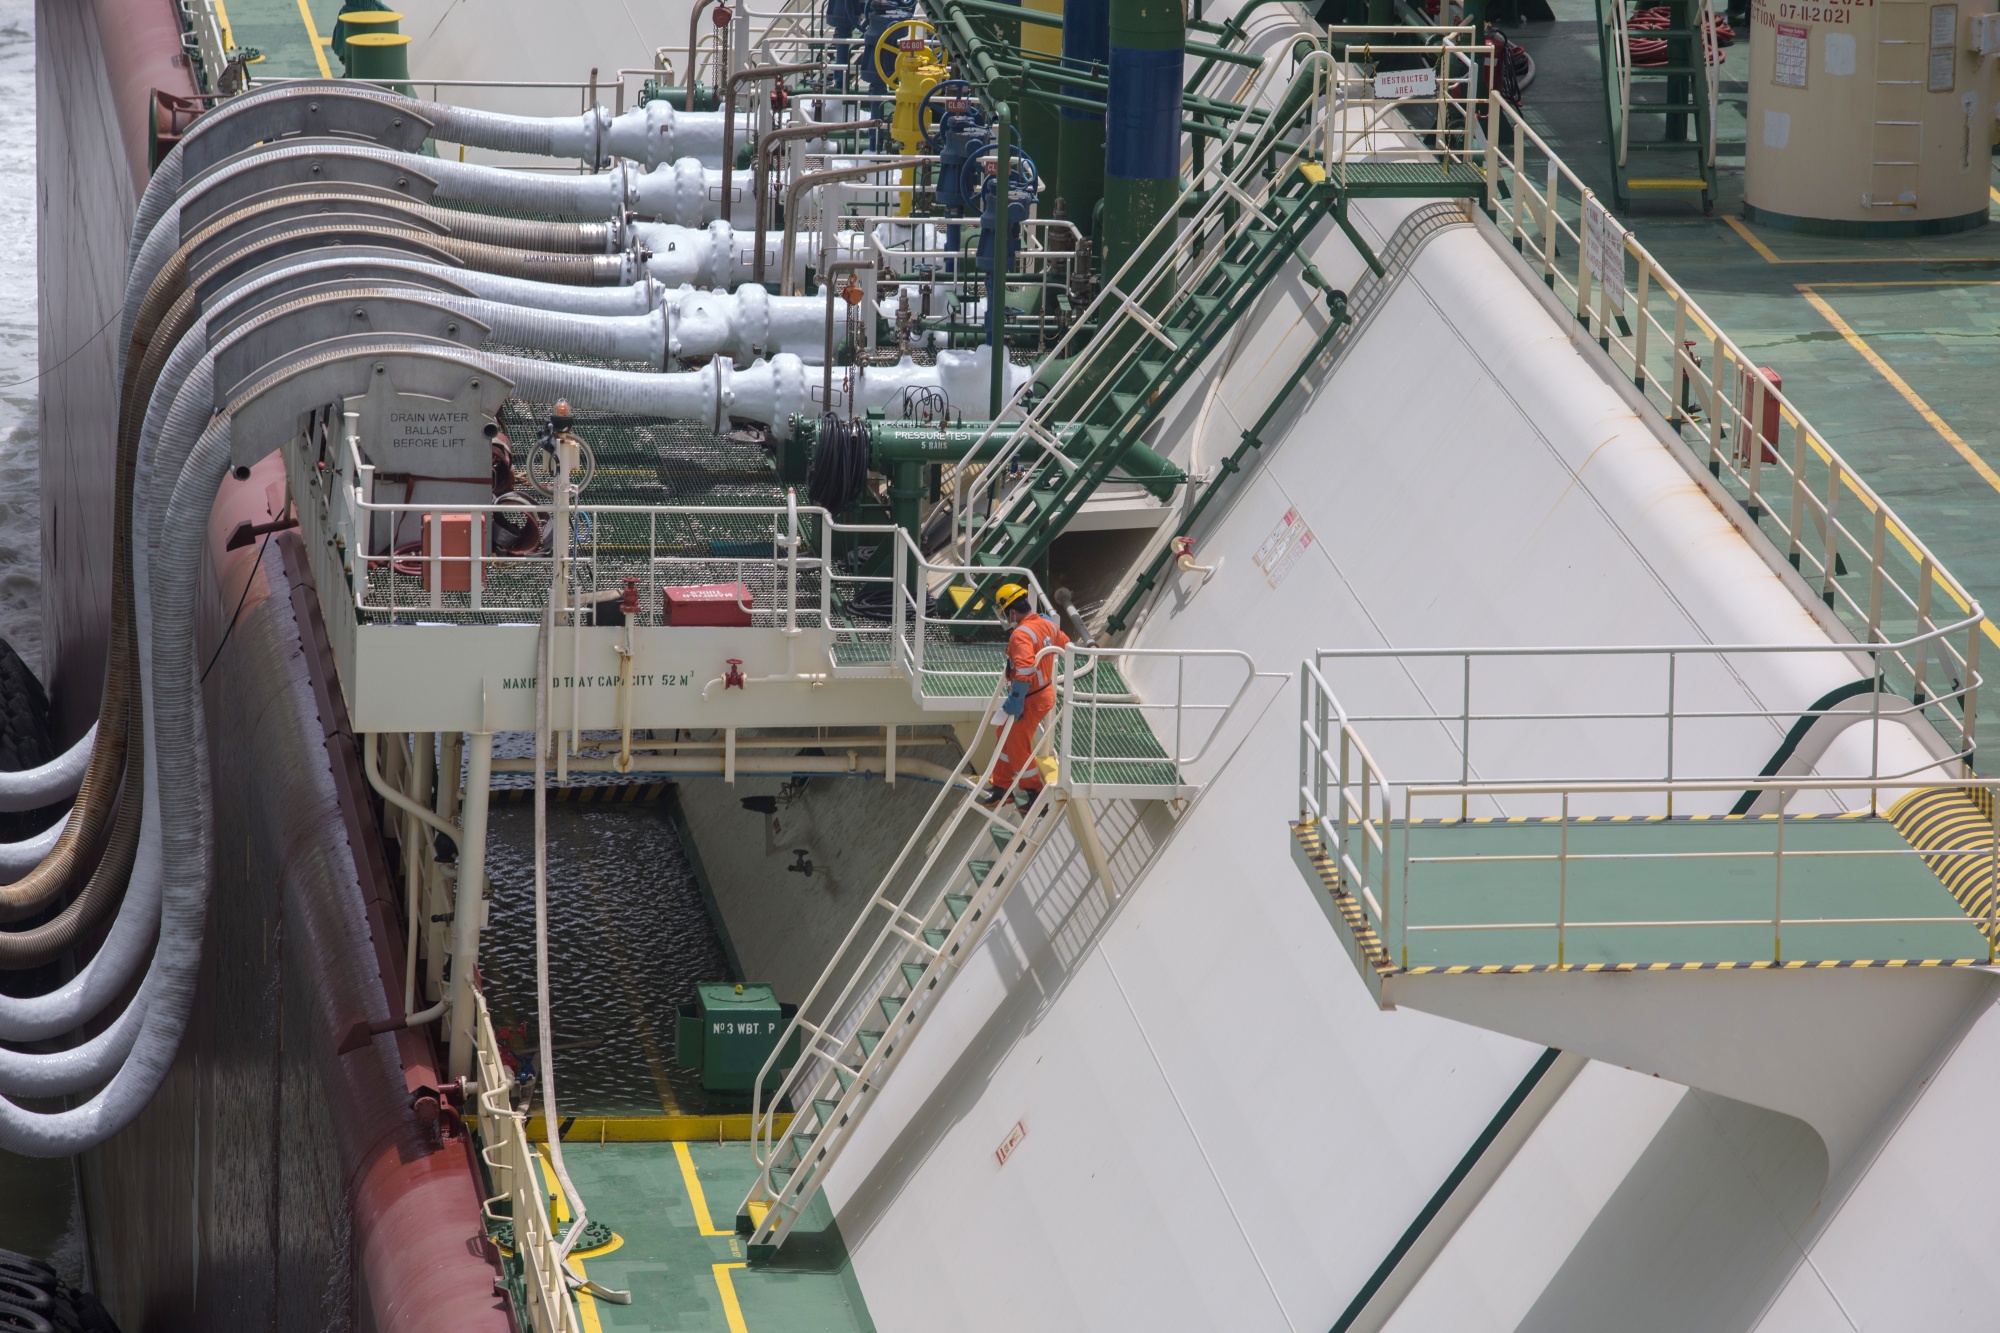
x=425 y=451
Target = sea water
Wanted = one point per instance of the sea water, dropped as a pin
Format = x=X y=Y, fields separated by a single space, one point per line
x=20 y=492
x=37 y=1207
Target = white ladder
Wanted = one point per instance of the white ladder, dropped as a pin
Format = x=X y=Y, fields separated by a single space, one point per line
x=887 y=986
x=1902 y=64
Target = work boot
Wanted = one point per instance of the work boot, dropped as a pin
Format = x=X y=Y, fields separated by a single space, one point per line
x=992 y=796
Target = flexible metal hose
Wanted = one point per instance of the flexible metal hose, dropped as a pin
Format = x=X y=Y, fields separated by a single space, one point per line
x=183 y=800
x=166 y=245
x=37 y=945
x=57 y=780
x=18 y=858
x=588 y=137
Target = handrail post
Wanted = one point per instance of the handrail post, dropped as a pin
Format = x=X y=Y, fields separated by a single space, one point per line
x=1493 y=149
x=1969 y=700
x=1919 y=670
x=1750 y=435
x=1875 y=570
x=1641 y=320
x=1992 y=870
x=1562 y=888
x=1875 y=730
x=1673 y=662
x=1778 y=894
x=1465 y=741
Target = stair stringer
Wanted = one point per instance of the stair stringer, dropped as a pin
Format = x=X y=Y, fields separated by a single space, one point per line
x=844 y=1072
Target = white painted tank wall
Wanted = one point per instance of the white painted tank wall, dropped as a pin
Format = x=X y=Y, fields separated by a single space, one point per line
x=1222 y=1131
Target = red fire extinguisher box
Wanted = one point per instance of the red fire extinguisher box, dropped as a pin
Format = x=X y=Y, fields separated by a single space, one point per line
x=706 y=604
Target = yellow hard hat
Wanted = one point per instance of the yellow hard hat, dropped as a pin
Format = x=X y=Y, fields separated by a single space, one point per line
x=1009 y=594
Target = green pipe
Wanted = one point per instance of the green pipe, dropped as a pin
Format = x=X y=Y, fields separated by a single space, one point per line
x=1252 y=439
x=1011 y=13
x=1232 y=29
x=996 y=287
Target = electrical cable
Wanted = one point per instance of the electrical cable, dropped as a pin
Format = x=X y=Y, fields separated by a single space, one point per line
x=839 y=470
x=249 y=579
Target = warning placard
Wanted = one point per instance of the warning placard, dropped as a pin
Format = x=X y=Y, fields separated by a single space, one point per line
x=1407 y=83
x=1793 y=45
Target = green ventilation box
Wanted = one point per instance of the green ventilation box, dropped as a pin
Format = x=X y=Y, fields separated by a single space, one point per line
x=728 y=1033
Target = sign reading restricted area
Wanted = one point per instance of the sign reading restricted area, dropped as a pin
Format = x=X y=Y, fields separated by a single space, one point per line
x=1407 y=83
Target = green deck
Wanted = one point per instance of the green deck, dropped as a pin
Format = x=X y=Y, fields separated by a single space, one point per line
x=679 y=1257
x=1656 y=877
x=278 y=28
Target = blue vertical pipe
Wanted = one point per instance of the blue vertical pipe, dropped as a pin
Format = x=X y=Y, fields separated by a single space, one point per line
x=1086 y=47
x=1142 y=130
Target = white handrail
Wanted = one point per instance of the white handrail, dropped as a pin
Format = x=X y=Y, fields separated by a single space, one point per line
x=1877 y=577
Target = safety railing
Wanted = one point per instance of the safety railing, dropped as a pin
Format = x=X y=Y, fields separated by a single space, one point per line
x=1111 y=738
x=1642 y=706
x=1384 y=836
x=960 y=652
x=514 y=1168
x=1387 y=82
x=1866 y=564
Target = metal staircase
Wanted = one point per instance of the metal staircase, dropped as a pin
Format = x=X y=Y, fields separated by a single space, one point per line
x=947 y=886
x=889 y=984
x=1150 y=330
x=1688 y=95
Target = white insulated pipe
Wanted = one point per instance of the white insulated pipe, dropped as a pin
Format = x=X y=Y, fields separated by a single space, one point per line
x=721 y=257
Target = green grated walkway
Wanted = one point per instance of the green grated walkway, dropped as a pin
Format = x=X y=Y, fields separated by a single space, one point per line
x=671 y=1206
x=1854 y=890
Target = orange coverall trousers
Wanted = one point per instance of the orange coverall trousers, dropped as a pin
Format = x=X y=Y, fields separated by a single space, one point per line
x=1018 y=745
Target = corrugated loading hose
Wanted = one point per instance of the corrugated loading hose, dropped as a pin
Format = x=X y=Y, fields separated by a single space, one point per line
x=589 y=137
x=181 y=799
x=520 y=249
x=57 y=780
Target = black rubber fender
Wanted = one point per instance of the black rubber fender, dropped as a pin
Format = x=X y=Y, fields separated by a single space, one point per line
x=14 y=1319
x=28 y=1295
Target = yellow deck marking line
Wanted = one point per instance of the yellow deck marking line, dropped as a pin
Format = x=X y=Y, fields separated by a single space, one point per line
x=586 y=1304
x=1770 y=256
x=318 y=42
x=696 y=1198
x=1994 y=193
x=222 y=18
x=731 y=1311
x=1910 y=396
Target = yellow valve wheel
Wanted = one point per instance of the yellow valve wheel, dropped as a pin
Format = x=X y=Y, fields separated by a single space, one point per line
x=882 y=43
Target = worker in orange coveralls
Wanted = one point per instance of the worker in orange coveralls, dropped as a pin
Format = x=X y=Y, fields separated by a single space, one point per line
x=1030 y=691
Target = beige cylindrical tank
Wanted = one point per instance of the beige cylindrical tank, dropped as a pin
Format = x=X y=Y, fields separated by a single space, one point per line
x=1869 y=117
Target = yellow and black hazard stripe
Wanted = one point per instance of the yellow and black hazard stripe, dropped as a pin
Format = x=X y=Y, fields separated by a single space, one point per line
x=1760 y=965
x=1952 y=827
x=1638 y=819
x=1352 y=913
x=619 y=793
